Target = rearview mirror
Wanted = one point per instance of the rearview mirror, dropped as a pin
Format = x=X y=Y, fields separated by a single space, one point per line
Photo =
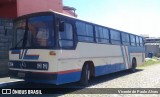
x=61 y=26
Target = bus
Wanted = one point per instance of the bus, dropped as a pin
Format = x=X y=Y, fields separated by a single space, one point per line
x=49 y=47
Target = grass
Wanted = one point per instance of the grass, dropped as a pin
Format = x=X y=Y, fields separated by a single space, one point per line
x=150 y=62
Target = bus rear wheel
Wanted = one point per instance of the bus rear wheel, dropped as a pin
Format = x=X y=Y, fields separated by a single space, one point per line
x=85 y=75
x=134 y=65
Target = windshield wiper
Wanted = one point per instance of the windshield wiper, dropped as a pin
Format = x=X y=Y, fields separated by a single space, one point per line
x=24 y=37
x=19 y=42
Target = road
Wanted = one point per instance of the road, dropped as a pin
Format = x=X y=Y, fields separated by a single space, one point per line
x=148 y=77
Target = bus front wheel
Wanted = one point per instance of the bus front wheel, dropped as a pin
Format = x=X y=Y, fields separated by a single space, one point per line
x=85 y=75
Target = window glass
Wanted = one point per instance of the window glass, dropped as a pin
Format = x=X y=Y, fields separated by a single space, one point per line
x=89 y=30
x=20 y=35
x=99 y=33
x=85 y=32
x=125 y=39
x=115 y=37
x=102 y=35
x=68 y=33
x=141 y=41
x=137 y=41
x=133 y=40
x=66 y=37
x=80 y=28
x=40 y=31
x=106 y=33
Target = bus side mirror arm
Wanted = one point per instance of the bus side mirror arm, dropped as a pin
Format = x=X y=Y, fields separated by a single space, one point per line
x=61 y=26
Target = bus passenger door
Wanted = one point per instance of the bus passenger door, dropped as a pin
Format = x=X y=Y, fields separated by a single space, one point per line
x=66 y=34
x=66 y=42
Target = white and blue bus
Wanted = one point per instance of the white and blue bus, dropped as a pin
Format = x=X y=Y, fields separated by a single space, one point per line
x=50 y=47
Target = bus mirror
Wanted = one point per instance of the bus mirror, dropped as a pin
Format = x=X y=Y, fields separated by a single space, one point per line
x=61 y=26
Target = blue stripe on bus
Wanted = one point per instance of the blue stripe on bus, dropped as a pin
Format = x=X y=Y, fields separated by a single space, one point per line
x=15 y=51
x=132 y=49
x=75 y=76
x=41 y=81
x=61 y=79
x=122 y=50
x=69 y=77
x=110 y=68
x=99 y=70
x=31 y=57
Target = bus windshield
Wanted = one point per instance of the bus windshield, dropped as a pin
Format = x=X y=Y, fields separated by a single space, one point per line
x=34 y=32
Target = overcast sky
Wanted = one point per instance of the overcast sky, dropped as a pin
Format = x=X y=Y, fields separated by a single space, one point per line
x=133 y=16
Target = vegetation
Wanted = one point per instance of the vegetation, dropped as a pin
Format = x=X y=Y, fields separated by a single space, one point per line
x=150 y=62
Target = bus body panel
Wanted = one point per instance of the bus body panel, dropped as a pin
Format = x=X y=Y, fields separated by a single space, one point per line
x=104 y=62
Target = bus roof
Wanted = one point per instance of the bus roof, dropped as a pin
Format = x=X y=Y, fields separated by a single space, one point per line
x=51 y=11
x=90 y=22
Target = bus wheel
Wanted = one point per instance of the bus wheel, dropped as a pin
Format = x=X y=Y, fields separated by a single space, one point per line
x=85 y=76
x=134 y=65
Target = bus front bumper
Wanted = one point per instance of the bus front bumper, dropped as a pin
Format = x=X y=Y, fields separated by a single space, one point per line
x=33 y=76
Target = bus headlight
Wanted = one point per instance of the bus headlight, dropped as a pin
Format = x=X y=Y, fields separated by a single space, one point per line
x=10 y=64
x=42 y=66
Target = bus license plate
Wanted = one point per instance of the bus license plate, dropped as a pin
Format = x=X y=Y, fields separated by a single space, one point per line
x=21 y=74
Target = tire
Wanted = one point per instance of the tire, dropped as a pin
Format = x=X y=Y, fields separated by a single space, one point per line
x=85 y=75
x=134 y=65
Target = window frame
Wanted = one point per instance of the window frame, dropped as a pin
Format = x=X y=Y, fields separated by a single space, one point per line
x=102 y=32
x=131 y=42
x=119 y=42
x=73 y=35
x=85 y=36
x=141 y=39
x=125 y=42
x=137 y=43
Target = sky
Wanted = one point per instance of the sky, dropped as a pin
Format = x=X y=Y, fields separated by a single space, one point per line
x=133 y=16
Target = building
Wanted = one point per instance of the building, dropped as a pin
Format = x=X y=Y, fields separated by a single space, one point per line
x=69 y=11
x=152 y=46
x=11 y=9
x=14 y=8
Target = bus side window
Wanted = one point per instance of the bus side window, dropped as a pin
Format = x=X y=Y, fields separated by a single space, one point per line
x=137 y=41
x=125 y=39
x=66 y=37
x=102 y=35
x=84 y=32
x=141 y=41
x=115 y=37
x=133 y=40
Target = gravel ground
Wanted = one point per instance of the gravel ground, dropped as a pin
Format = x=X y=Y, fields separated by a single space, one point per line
x=148 y=77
